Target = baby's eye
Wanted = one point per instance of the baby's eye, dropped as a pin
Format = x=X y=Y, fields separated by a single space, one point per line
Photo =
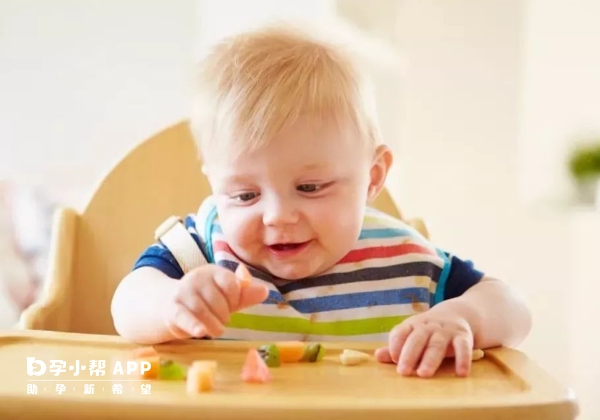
x=307 y=188
x=245 y=196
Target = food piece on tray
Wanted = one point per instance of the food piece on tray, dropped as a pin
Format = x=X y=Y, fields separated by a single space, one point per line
x=255 y=370
x=201 y=376
x=353 y=357
x=291 y=351
x=151 y=356
x=313 y=352
x=171 y=370
x=270 y=354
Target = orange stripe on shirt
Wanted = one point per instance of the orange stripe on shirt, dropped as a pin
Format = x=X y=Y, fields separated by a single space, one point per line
x=359 y=255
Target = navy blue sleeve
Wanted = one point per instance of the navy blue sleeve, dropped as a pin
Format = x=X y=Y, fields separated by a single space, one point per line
x=159 y=257
x=462 y=276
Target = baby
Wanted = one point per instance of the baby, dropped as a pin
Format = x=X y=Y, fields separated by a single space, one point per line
x=286 y=127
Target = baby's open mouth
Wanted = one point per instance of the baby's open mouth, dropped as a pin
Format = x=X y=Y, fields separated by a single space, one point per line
x=292 y=246
x=285 y=247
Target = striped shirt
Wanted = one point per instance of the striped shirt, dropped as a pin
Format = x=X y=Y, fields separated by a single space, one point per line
x=391 y=273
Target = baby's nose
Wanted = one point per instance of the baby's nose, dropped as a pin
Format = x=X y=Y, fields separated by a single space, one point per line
x=280 y=212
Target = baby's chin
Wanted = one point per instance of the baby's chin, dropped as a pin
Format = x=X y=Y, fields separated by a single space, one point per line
x=294 y=272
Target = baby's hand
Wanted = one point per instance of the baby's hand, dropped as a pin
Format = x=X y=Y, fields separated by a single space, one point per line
x=205 y=299
x=420 y=344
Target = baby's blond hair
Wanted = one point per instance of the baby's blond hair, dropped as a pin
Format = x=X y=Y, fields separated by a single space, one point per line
x=252 y=84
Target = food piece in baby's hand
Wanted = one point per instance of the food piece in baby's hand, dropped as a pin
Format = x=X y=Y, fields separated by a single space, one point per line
x=255 y=370
x=242 y=273
x=170 y=370
x=477 y=354
x=201 y=376
x=353 y=357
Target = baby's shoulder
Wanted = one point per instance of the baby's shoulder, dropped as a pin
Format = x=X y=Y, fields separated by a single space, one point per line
x=379 y=223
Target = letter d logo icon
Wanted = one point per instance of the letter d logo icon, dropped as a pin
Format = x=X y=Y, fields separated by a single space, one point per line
x=31 y=363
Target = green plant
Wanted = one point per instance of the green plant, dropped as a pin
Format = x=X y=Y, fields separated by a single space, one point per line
x=584 y=161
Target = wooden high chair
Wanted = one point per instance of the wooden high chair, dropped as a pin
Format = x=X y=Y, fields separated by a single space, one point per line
x=93 y=250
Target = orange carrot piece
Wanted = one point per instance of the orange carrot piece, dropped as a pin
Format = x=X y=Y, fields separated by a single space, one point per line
x=290 y=351
x=154 y=367
x=150 y=355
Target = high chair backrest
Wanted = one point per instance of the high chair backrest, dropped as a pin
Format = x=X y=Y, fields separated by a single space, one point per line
x=93 y=250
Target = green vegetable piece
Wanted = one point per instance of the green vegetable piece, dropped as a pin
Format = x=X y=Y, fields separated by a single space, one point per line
x=321 y=353
x=270 y=354
x=313 y=353
x=170 y=370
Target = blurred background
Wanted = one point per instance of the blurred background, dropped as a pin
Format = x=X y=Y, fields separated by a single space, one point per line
x=492 y=108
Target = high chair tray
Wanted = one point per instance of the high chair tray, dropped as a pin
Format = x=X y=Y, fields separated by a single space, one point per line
x=505 y=384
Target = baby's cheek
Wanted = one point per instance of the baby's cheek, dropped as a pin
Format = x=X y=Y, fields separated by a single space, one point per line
x=339 y=222
x=240 y=229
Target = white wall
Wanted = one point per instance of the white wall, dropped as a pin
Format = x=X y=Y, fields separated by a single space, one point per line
x=458 y=158
x=82 y=82
x=561 y=87
x=560 y=94
x=217 y=19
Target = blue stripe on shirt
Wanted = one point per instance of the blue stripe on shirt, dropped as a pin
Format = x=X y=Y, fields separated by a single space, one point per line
x=384 y=233
x=274 y=298
x=361 y=300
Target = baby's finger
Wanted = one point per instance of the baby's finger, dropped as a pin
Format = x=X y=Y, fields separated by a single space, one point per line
x=253 y=294
x=463 y=352
x=412 y=351
x=229 y=286
x=196 y=304
x=382 y=355
x=183 y=324
x=215 y=300
x=397 y=338
x=434 y=355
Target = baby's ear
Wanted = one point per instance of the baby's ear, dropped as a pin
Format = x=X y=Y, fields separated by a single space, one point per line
x=382 y=162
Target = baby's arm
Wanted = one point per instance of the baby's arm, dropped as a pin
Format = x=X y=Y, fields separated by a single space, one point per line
x=477 y=312
x=137 y=305
x=150 y=307
x=497 y=314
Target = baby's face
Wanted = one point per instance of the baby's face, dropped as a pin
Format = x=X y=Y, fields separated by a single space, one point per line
x=295 y=207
